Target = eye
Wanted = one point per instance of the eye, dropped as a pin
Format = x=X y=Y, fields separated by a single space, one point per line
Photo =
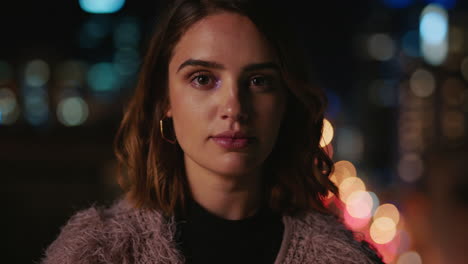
x=261 y=82
x=203 y=80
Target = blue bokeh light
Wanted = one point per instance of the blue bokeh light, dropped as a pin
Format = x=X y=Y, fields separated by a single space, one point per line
x=36 y=105
x=126 y=61
x=433 y=27
x=127 y=34
x=102 y=78
x=449 y=4
x=397 y=3
x=8 y=107
x=96 y=29
x=101 y=6
x=410 y=43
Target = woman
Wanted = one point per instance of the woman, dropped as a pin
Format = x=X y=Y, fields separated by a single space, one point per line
x=220 y=152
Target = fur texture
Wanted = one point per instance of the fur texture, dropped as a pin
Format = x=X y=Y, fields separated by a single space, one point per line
x=122 y=234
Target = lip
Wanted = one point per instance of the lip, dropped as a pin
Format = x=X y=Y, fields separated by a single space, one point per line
x=232 y=134
x=233 y=139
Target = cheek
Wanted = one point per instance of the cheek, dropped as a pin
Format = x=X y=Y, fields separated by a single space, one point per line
x=184 y=113
x=189 y=112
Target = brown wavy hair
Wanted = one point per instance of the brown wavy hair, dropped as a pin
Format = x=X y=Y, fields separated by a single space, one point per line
x=296 y=173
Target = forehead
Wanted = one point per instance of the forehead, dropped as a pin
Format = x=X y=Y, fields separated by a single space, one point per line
x=228 y=38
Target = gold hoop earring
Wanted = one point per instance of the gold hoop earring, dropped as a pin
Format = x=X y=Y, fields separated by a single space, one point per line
x=161 y=128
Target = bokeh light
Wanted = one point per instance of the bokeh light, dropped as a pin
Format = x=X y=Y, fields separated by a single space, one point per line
x=381 y=47
x=327 y=134
x=102 y=77
x=349 y=186
x=101 y=6
x=388 y=210
x=94 y=31
x=410 y=43
x=127 y=34
x=126 y=61
x=36 y=106
x=8 y=107
x=433 y=26
x=359 y=204
x=36 y=73
x=375 y=201
x=433 y=30
x=72 y=111
x=350 y=143
x=435 y=54
x=343 y=169
x=410 y=257
x=382 y=230
x=410 y=167
x=390 y=250
x=355 y=223
x=422 y=83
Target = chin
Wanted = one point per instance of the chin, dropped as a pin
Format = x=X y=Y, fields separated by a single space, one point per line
x=238 y=165
x=236 y=168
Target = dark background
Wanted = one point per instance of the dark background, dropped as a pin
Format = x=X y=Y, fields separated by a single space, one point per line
x=49 y=172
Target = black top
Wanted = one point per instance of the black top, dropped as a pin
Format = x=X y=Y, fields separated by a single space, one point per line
x=206 y=238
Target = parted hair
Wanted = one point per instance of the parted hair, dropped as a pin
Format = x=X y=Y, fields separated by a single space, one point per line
x=152 y=172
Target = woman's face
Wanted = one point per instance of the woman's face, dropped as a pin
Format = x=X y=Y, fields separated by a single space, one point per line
x=225 y=94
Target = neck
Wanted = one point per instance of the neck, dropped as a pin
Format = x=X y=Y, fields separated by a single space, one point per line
x=229 y=197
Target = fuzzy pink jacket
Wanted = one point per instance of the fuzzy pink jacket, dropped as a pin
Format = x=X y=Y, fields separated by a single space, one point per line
x=123 y=234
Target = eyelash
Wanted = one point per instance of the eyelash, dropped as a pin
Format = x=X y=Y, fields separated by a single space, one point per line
x=193 y=79
x=263 y=87
x=213 y=81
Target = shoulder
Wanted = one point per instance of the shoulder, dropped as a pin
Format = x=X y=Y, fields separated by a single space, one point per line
x=322 y=238
x=115 y=234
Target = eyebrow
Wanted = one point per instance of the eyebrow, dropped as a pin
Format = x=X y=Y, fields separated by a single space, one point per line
x=215 y=65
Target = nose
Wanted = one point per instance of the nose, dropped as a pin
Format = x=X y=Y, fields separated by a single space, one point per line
x=234 y=104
